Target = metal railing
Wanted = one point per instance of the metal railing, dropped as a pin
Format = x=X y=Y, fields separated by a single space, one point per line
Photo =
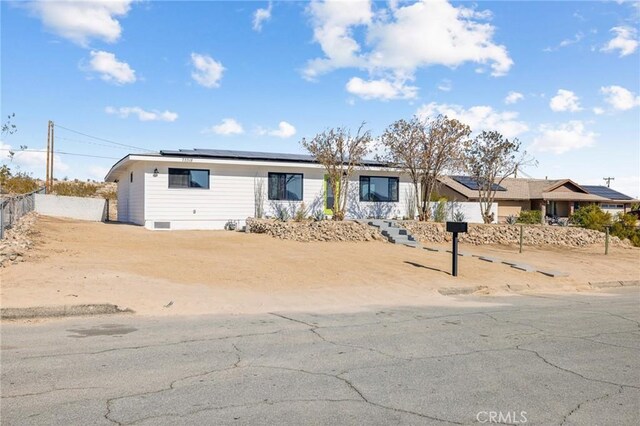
x=12 y=208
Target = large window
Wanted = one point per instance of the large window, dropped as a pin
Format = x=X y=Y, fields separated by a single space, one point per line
x=285 y=186
x=374 y=188
x=188 y=178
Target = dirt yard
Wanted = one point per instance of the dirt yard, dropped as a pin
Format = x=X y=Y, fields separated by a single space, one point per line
x=77 y=262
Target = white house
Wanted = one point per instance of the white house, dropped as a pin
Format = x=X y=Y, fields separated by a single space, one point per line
x=205 y=189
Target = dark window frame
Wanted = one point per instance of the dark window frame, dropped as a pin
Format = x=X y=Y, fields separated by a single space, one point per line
x=189 y=186
x=285 y=174
x=395 y=197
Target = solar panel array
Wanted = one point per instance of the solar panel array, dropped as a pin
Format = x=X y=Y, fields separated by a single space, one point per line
x=253 y=155
x=472 y=184
x=606 y=192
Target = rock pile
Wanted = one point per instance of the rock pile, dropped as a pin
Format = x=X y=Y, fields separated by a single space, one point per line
x=324 y=230
x=533 y=235
x=17 y=240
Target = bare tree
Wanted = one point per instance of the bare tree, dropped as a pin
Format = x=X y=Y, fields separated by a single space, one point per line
x=404 y=141
x=442 y=153
x=425 y=150
x=339 y=153
x=490 y=158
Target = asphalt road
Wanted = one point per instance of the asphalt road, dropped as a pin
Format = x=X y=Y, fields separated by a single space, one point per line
x=540 y=360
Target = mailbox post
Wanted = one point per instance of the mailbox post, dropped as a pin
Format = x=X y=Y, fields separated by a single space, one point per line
x=455 y=228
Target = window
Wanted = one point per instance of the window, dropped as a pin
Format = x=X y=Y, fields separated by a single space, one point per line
x=374 y=188
x=131 y=177
x=285 y=186
x=612 y=206
x=188 y=178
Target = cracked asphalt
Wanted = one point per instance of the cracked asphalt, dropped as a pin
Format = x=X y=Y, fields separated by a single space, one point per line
x=560 y=359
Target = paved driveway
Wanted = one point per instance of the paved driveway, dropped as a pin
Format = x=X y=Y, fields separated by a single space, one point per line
x=520 y=359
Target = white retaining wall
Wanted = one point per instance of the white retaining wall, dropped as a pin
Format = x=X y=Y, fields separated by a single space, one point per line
x=94 y=209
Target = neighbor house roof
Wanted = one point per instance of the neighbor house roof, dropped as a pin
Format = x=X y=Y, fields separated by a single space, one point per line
x=540 y=189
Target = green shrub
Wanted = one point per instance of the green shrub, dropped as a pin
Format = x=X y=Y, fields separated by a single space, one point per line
x=530 y=217
x=625 y=228
x=591 y=217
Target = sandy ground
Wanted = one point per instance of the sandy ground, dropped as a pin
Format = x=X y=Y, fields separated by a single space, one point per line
x=229 y=272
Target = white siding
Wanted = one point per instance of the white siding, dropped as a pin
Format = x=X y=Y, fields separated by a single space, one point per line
x=231 y=195
x=136 y=194
x=123 y=198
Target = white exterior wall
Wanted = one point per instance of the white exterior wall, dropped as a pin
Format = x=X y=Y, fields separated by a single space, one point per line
x=123 y=198
x=136 y=194
x=231 y=195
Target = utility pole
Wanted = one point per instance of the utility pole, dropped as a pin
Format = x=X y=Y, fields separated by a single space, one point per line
x=46 y=182
x=608 y=180
x=52 y=151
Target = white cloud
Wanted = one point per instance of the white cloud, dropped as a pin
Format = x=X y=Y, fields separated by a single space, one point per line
x=125 y=112
x=598 y=110
x=207 y=71
x=620 y=98
x=284 y=130
x=32 y=160
x=97 y=172
x=81 y=21
x=626 y=41
x=260 y=16
x=228 y=126
x=565 y=100
x=563 y=137
x=566 y=42
x=513 y=97
x=402 y=38
x=445 y=85
x=380 y=89
x=481 y=117
x=110 y=69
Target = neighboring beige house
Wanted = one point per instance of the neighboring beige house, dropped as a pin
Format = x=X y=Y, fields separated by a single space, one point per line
x=559 y=197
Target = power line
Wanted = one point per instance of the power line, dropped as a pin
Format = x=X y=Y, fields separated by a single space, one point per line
x=91 y=143
x=61 y=152
x=102 y=139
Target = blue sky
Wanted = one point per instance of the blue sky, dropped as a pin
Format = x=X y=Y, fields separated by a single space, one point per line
x=563 y=77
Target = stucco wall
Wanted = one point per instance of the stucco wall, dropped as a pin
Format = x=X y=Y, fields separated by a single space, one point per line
x=93 y=209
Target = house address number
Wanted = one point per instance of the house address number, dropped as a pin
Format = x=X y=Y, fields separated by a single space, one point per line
x=187 y=160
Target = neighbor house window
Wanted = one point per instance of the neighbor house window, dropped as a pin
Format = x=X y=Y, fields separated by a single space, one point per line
x=285 y=186
x=188 y=178
x=374 y=188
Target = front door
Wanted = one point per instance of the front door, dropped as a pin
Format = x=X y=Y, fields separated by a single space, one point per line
x=328 y=197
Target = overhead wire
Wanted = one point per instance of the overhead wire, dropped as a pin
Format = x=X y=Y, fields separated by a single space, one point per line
x=102 y=139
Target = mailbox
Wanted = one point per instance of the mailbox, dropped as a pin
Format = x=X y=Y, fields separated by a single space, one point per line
x=456 y=226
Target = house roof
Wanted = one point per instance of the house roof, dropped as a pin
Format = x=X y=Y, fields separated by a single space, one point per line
x=606 y=192
x=540 y=189
x=253 y=155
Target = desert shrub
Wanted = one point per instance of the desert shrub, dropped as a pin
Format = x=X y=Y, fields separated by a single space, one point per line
x=458 y=216
x=511 y=219
x=318 y=215
x=625 y=228
x=440 y=210
x=110 y=194
x=301 y=213
x=530 y=217
x=75 y=189
x=16 y=183
x=281 y=212
x=591 y=217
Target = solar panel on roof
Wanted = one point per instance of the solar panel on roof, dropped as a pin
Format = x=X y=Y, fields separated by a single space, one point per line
x=603 y=191
x=472 y=184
